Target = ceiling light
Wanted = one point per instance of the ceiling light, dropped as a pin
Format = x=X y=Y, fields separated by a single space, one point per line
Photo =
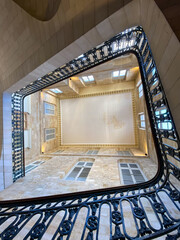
x=56 y=90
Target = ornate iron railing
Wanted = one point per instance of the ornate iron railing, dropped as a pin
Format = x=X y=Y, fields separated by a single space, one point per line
x=151 y=207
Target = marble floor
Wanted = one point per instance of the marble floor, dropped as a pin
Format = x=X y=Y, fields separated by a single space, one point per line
x=49 y=177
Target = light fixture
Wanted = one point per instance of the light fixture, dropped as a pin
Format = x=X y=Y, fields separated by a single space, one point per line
x=55 y=90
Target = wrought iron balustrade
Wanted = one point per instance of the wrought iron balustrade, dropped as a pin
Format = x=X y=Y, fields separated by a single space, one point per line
x=66 y=216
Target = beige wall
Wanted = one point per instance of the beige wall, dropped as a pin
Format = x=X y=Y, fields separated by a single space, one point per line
x=33 y=123
x=146 y=142
x=140 y=108
x=48 y=121
x=104 y=173
x=38 y=121
x=31 y=42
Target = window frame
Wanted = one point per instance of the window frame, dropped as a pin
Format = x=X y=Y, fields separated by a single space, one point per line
x=141 y=121
x=80 y=171
x=140 y=91
x=27 y=104
x=45 y=134
x=130 y=169
x=121 y=73
x=27 y=138
x=49 y=108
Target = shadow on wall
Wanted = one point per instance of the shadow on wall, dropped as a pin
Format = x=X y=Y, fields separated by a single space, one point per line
x=42 y=10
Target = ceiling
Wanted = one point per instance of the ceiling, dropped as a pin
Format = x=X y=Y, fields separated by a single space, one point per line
x=171 y=11
x=103 y=75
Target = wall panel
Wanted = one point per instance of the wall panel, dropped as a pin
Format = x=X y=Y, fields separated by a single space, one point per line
x=104 y=119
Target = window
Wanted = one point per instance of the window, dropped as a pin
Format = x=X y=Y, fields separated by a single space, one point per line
x=140 y=90
x=27 y=104
x=120 y=73
x=49 y=109
x=33 y=165
x=27 y=138
x=25 y=121
x=56 y=90
x=124 y=153
x=166 y=124
x=89 y=78
x=92 y=152
x=130 y=173
x=79 y=172
x=50 y=133
x=142 y=123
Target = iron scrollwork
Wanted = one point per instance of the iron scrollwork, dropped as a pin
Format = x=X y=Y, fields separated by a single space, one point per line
x=17 y=215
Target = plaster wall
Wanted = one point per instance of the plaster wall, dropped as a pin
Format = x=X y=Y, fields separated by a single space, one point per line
x=104 y=119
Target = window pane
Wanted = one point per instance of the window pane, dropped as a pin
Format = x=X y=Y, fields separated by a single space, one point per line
x=85 y=79
x=140 y=94
x=80 y=171
x=122 y=73
x=81 y=163
x=115 y=73
x=84 y=174
x=124 y=153
x=49 y=108
x=123 y=165
x=95 y=152
x=143 y=124
x=89 y=164
x=142 y=116
x=133 y=165
x=89 y=152
x=74 y=173
x=127 y=178
x=138 y=176
x=91 y=78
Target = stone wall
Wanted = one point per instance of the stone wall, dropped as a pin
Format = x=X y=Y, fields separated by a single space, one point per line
x=49 y=121
x=30 y=48
x=38 y=121
x=33 y=123
x=49 y=177
x=146 y=142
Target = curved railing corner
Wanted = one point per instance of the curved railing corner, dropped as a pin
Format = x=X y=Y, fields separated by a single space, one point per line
x=153 y=206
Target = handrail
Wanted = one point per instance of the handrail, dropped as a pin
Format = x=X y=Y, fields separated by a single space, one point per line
x=16 y=215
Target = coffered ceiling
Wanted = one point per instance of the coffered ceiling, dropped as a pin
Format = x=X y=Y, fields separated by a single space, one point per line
x=104 y=74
